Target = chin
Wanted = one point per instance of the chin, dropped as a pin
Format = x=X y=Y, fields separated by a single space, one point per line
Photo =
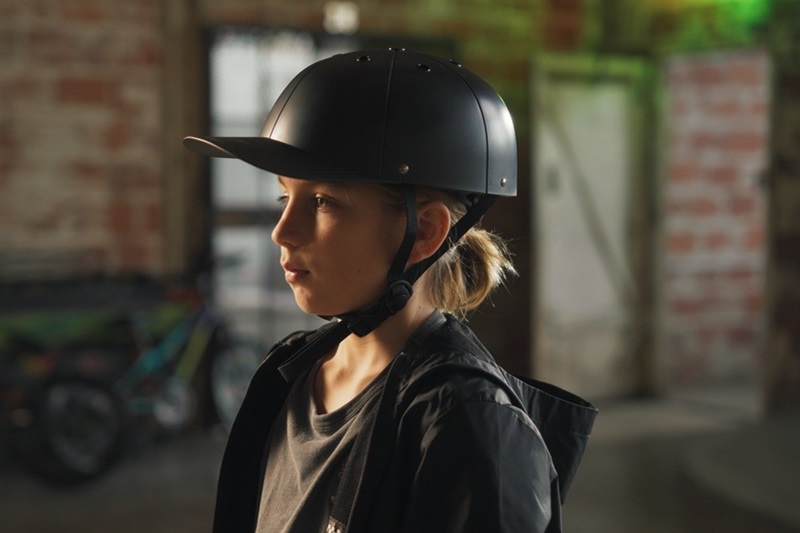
x=315 y=308
x=325 y=310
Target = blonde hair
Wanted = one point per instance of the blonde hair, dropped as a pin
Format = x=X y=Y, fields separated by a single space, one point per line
x=460 y=280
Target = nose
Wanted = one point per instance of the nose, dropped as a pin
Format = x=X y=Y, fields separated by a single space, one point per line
x=287 y=232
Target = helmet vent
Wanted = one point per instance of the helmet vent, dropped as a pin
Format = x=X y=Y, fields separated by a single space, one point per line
x=454 y=62
x=423 y=67
x=363 y=59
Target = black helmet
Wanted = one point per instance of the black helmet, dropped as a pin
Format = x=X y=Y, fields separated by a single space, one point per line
x=393 y=117
x=384 y=116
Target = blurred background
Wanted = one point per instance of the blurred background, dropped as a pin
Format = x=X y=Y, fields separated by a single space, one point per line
x=656 y=233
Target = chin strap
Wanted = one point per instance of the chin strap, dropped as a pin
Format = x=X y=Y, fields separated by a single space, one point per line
x=399 y=289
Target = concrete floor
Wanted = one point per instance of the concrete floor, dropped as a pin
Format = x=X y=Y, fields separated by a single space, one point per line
x=633 y=477
x=165 y=487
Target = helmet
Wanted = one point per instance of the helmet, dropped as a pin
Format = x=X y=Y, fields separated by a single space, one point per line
x=384 y=116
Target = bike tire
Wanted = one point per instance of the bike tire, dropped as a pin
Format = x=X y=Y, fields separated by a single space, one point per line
x=233 y=363
x=78 y=431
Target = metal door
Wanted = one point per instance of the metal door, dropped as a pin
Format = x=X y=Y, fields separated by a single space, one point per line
x=588 y=127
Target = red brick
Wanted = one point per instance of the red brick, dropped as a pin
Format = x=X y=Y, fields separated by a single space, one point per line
x=707 y=75
x=726 y=175
x=681 y=243
x=760 y=109
x=704 y=140
x=754 y=239
x=153 y=218
x=88 y=172
x=703 y=207
x=742 y=275
x=725 y=108
x=717 y=240
x=689 y=306
x=118 y=135
x=706 y=336
x=742 y=335
x=87 y=91
x=745 y=73
x=120 y=217
x=743 y=205
x=83 y=10
x=564 y=5
x=144 y=53
x=754 y=303
x=682 y=172
x=745 y=142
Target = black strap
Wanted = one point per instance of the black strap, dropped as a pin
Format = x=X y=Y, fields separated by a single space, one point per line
x=410 y=237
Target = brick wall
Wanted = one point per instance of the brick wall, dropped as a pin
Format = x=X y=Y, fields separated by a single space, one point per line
x=717 y=111
x=80 y=178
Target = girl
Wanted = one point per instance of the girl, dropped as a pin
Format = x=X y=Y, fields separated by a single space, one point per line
x=392 y=417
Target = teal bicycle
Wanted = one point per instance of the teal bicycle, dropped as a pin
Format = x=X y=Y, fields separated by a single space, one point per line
x=77 y=420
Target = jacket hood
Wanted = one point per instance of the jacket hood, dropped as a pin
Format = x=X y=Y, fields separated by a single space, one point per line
x=564 y=420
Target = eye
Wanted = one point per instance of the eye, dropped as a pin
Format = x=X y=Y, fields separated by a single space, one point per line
x=282 y=200
x=322 y=202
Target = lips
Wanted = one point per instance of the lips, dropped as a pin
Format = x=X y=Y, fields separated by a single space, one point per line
x=293 y=273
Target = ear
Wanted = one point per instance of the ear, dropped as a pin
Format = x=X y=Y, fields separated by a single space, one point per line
x=433 y=224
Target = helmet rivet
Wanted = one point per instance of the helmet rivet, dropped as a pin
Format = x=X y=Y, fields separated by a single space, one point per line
x=503 y=182
x=403 y=169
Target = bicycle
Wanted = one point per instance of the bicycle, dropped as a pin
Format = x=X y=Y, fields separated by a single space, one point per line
x=76 y=420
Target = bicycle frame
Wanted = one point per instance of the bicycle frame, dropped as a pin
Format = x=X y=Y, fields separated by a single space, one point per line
x=183 y=346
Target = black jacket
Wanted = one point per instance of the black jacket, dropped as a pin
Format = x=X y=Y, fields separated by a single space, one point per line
x=457 y=444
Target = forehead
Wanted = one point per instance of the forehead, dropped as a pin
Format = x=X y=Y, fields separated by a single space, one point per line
x=286 y=181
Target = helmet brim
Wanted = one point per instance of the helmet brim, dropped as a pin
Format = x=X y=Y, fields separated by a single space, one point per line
x=276 y=157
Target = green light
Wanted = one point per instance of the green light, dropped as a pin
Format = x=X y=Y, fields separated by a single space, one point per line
x=748 y=12
x=712 y=23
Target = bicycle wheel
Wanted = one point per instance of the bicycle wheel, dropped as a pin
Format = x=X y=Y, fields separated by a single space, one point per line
x=79 y=433
x=233 y=364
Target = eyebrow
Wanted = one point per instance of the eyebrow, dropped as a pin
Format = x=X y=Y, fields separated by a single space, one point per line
x=336 y=185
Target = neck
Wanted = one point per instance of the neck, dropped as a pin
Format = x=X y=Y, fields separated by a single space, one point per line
x=357 y=361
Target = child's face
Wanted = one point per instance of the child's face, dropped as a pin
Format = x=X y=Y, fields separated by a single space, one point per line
x=337 y=244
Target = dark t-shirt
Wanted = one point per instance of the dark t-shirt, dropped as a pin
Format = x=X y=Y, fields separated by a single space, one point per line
x=306 y=453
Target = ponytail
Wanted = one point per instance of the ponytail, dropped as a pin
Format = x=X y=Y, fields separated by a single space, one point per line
x=466 y=275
